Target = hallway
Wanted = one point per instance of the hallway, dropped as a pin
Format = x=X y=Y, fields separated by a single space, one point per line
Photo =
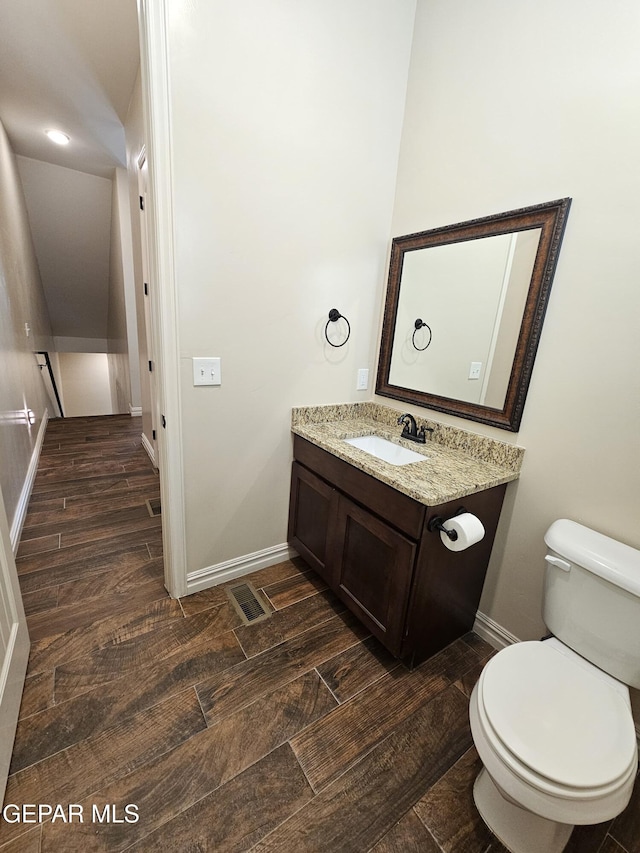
x=296 y=733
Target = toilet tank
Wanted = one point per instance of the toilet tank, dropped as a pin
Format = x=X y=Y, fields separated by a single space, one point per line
x=592 y=598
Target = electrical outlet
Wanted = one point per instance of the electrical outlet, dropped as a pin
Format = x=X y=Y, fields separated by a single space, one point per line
x=363 y=379
x=206 y=371
x=475 y=369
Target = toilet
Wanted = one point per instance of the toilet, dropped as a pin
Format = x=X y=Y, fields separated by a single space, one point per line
x=551 y=719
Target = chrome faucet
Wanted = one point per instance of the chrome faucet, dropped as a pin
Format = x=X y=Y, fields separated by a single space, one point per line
x=411 y=429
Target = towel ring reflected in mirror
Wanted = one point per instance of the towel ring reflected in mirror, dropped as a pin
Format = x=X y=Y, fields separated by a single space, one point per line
x=419 y=324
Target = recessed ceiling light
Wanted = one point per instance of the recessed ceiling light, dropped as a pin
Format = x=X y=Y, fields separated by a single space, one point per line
x=58 y=137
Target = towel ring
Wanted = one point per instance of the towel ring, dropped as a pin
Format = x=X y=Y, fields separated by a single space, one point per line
x=334 y=316
x=420 y=325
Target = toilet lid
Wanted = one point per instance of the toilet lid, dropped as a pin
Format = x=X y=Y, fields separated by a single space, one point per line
x=556 y=717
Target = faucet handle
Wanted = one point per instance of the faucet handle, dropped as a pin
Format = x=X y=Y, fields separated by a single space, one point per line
x=424 y=429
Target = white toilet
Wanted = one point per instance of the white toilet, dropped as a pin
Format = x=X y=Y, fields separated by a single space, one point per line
x=551 y=719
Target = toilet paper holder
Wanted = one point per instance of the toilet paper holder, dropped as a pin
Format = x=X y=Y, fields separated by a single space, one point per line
x=437 y=523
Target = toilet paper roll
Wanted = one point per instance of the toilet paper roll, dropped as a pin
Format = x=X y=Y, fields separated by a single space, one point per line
x=469 y=529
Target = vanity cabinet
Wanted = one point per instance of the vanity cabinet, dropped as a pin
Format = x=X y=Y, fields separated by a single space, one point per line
x=372 y=546
x=312 y=511
x=372 y=570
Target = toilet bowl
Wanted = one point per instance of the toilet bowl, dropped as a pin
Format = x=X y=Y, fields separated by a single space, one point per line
x=551 y=719
x=558 y=743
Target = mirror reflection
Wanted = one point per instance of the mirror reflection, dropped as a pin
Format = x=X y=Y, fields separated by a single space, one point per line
x=482 y=285
x=464 y=308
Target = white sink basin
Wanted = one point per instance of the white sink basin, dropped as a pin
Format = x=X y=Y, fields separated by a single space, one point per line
x=388 y=451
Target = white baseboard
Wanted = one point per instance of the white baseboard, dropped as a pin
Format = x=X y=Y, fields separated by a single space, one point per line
x=494 y=634
x=135 y=411
x=23 y=502
x=150 y=451
x=231 y=569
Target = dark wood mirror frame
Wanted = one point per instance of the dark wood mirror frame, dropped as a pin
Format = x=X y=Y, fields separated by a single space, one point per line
x=551 y=219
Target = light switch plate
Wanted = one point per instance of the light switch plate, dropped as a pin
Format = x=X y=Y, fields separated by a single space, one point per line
x=206 y=371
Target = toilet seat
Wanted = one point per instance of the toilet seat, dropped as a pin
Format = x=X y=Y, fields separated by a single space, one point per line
x=558 y=726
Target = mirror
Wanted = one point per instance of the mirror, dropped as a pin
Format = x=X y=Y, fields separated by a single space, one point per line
x=464 y=311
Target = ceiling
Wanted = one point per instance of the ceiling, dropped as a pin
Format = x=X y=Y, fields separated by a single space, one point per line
x=69 y=65
x=72 y=65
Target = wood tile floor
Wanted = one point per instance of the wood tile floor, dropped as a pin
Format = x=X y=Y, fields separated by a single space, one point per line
x=299 y=733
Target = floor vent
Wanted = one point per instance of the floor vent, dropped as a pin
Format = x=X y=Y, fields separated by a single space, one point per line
x=249 y=604
x=154 y=507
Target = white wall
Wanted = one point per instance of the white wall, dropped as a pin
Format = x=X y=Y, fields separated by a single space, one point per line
x=118 y=355
x=286 y=121
x=70 y=209
x=124 y=367
x=85 y=386
x=21 y=302
x=62 y=343
x=511 y=104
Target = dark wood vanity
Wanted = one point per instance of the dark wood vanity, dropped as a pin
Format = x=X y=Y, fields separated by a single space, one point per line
x=371 y=544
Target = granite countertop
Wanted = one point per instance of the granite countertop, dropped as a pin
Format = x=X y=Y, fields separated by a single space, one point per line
x=457 y=462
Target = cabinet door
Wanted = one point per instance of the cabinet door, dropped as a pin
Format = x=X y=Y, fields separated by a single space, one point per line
x=372 y=565
x=312 y=510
